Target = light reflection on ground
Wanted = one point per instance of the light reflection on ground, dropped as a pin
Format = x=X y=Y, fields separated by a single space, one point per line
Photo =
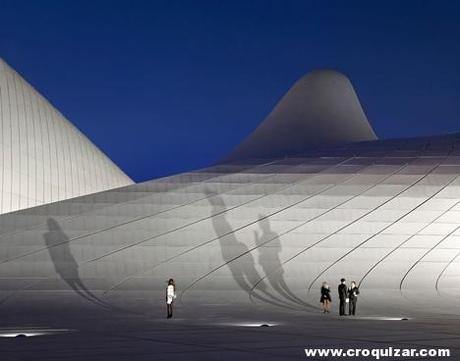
x=32 y=332
x=250 y=324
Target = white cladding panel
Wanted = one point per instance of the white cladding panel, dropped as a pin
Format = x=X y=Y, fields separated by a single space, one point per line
x=43 y=157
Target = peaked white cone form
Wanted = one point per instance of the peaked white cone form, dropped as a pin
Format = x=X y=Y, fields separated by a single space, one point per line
x=321 y=109
x=43 y=157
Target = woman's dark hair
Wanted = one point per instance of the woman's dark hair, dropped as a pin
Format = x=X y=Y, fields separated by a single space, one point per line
x=171 y=282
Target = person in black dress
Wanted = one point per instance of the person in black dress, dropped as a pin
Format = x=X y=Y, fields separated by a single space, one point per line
x=326 y=297
x=343 y=294
x=353 y=293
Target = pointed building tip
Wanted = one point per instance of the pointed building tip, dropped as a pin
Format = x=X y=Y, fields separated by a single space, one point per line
x=324 y=73
x=322 y=76
x=320 y=109
x=4 y=65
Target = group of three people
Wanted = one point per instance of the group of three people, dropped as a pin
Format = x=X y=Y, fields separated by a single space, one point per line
x=346 y=295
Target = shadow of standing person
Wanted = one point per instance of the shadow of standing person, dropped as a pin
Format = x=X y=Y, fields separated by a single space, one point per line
x=269 y=247
x=65 y=265
x=243 y=272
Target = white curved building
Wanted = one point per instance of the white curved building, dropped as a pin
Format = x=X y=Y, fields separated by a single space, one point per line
x=252 y=233
x=249 y=243
x=320 y=109
x=43 y=157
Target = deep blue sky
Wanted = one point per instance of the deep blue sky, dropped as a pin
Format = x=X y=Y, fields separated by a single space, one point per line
x=168 y=86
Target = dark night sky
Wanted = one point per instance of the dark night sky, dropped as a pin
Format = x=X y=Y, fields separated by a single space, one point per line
x=168 y=86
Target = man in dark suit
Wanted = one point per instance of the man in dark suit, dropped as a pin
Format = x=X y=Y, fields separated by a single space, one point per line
x=353 y=293
x=343 y=294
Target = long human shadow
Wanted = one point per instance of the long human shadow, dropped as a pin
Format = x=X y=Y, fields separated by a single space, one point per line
x=64 y=262
x=269 y=247
x=243 y=272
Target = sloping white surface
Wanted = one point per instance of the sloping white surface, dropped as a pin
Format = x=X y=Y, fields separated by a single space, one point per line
x=320 y=109
x=43 y=157
x=385 y=214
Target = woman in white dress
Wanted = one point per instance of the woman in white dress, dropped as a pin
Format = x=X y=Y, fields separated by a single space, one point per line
x=170 y=296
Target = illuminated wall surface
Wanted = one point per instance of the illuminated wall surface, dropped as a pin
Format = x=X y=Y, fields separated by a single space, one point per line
x=43 y=157
x=321 y=108
x=384 y=213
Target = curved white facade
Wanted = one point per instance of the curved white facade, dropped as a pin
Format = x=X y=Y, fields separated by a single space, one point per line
x=43 y=157
x=385 y=213
x=249 y=244
x=250 y=235
x=320 y=109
